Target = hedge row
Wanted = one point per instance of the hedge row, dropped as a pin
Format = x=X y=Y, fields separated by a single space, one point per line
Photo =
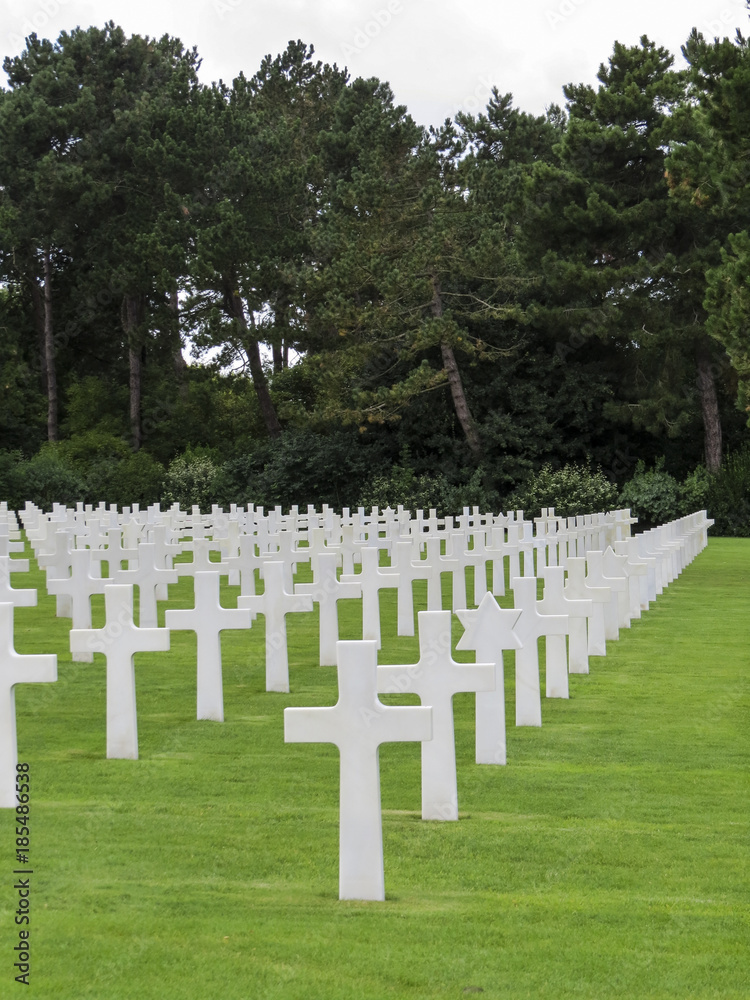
x=304 y=468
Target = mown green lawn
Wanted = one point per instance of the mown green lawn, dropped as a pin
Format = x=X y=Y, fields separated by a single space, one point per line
x=609 y=859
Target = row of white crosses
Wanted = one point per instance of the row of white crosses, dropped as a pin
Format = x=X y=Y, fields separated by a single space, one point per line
x=74 y=579
x=15 y=668
x=80 y=581
x=360 y=722
x=435 y=678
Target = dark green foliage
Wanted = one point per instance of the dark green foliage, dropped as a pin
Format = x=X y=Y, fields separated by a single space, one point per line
x=505 y=292
x=728 y=299
x=652 y=496
x=728 y=496
x=93 y=467
x=400 y=485
x=135 y=478
x=303 y=468
x=46 y=479
x=621 y=260
x=96 y=405
x=9 y=462
x=572 y=490
x=694 y=490
x=111 y=472
x=709 y=174
x=22 y=402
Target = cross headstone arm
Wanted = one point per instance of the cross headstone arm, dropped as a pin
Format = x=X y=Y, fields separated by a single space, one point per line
x=310 y=725
x=181 y=619
x=35 y=669
x=405 y=724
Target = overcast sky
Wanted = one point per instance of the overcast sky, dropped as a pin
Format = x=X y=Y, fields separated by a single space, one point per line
x=439 y=56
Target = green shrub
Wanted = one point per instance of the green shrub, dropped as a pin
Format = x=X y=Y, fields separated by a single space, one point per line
x=728 y=496
x=9 y=462
x=301 y=468
x=694 y=491
x=47 y=479
x=653 y=497
x=471 y=492
x=85 y=450
x=190 y=481
x=111 y=471
x=572 y=490
x=135 y=478
x=401 y=485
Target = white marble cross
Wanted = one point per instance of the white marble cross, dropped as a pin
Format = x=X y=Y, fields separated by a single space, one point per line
x=164 y=552
x=512 y=549
x=435 y=678
x=119 y=641
x=556 y=602
x=316 y=547
x=408 y=571
x=202 y=562
x=496 y=552
x=648 y=548
x=598 y=576
x=78 y=588
x=55 y=561
x=531 y=625
x=115 y=554
x=326 y=591
x=477 y=558
x=434 y=566
x=357 y=725
x=275 y=603
x=286 y=553
x=348 y=547
x=616 y=567
x=372 y=580
x=26 y=598
x=149 y=578
x=638 y=572
x=245 y=564
x=489 y=630
x=15 y=668
x=646 y=576
x=10 y=544
x=527 y=547
x=208 y=619
x=453 y=562
x=586 y=638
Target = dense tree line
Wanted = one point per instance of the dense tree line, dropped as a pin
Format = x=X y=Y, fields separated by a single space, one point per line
x=484 y=298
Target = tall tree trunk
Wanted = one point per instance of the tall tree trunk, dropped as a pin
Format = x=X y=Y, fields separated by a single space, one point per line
x=180 y=365
x=709 y=405
x=37 y=308
x=460 y=403
x=279 y=347
x=49 y=352
x=132 y=317
x=233 y=305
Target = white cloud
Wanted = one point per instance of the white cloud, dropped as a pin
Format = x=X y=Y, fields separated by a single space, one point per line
x=436 y=54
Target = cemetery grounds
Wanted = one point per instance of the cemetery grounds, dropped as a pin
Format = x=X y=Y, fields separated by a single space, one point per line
x=608 y=859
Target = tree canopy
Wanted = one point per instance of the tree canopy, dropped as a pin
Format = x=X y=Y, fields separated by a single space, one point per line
x=500 y=294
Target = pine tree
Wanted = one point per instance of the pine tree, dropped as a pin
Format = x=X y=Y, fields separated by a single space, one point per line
x=620 y=260
x=710 y=176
